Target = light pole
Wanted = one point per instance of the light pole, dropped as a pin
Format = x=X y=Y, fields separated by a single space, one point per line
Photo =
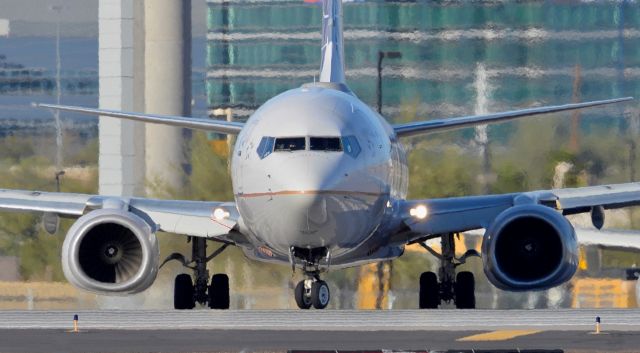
x=383 y=267
x=56 y=113
x=381 y=56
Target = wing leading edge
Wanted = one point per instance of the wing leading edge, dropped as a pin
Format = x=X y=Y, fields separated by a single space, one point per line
x=219 y=126
x=439 y=125
x=459 y=214
x=192 y=218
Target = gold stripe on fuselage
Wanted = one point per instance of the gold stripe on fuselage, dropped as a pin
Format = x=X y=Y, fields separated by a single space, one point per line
x=310 y=192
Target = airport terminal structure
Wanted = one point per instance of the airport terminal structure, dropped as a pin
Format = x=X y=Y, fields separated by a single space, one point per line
x=530 y=50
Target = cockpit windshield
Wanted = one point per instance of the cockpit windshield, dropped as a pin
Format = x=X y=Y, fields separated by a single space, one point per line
x=329 y=144
x=347 y=144
x=289 y=144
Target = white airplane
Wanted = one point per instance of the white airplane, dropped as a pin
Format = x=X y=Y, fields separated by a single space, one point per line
x=320 y=182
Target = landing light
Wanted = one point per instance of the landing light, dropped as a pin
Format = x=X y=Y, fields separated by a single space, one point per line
x=220 y=214
x=419 y=212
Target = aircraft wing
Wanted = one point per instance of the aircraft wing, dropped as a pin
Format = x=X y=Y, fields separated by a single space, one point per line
x=459 y=214
x=610 y=238
x=619 y=239
x=219 y=126
x=192 y=218
x=439 y=125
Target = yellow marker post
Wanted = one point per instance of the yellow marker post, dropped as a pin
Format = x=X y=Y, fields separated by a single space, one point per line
x=75 y=324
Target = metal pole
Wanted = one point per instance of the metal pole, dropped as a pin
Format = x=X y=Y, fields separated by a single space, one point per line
x=381 y=56
x=56 y=113
x=381 y=265
x=379 y=91
x=229 y=113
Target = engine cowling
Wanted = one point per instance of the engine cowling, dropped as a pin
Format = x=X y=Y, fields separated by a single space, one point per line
x=111 y=251
x=529 y=247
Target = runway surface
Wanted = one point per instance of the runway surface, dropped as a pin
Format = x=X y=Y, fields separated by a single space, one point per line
x=50 y=341
x=280 y=330
x=327 y=320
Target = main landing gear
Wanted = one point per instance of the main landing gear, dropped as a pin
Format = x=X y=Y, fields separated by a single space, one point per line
x=186 y=293
x=458 y=288
x=312 y=291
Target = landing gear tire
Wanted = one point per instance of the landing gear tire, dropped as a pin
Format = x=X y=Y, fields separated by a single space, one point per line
x=188 y=291
x=302 y=299
x=465 y=291
x=429 y=291
x=183 y=298
x=218 y=291
x=320 y=294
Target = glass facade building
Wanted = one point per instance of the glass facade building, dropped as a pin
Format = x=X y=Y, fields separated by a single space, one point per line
x=528 y=52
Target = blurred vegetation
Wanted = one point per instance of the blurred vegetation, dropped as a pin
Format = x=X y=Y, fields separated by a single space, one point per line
x=26 y=163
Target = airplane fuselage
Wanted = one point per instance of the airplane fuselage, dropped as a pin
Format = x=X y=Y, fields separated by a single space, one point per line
x=316 y=168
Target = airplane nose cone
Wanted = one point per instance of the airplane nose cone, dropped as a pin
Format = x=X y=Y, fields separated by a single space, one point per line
x=307 y=213
x=310 y=173
x=304 y=187
x=312 y=200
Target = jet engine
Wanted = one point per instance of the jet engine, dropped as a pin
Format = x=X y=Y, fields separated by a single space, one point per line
x=529 y=247
x=111 y=251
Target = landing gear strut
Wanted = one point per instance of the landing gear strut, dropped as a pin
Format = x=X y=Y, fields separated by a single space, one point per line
x=312 y=291
x=186 y=293
x=460 y=289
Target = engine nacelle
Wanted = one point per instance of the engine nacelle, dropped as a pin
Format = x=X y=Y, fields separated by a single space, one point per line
x=111 y=251
x=529 y=247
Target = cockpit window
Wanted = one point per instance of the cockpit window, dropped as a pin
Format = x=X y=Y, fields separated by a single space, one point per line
x=289 y=144
x=266 y=146
x=351 y=146
x=329 y=144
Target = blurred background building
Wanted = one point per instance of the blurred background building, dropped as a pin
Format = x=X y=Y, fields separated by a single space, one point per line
x=529 y=49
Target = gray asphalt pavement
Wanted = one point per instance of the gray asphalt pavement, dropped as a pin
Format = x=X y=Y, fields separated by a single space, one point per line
x=36 y=341
x=327 y=320
x=280 y=330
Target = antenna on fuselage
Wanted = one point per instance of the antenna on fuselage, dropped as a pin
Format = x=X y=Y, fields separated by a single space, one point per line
x=332 y=61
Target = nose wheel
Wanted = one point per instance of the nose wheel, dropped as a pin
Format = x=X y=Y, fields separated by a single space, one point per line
x=320 y=294
x=302 y=296
x=312 y=292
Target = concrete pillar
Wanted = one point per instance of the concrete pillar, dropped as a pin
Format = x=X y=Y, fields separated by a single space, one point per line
x=167 y=87
x=121 y=73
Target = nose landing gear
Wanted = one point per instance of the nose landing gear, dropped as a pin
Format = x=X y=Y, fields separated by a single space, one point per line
x=186 y=293
x=458 y=288
x=312 y=291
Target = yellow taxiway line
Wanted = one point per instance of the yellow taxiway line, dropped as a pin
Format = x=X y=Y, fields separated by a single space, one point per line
x=502 y=335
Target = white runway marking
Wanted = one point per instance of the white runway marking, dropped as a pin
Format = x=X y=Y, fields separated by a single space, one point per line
x=335 y=320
